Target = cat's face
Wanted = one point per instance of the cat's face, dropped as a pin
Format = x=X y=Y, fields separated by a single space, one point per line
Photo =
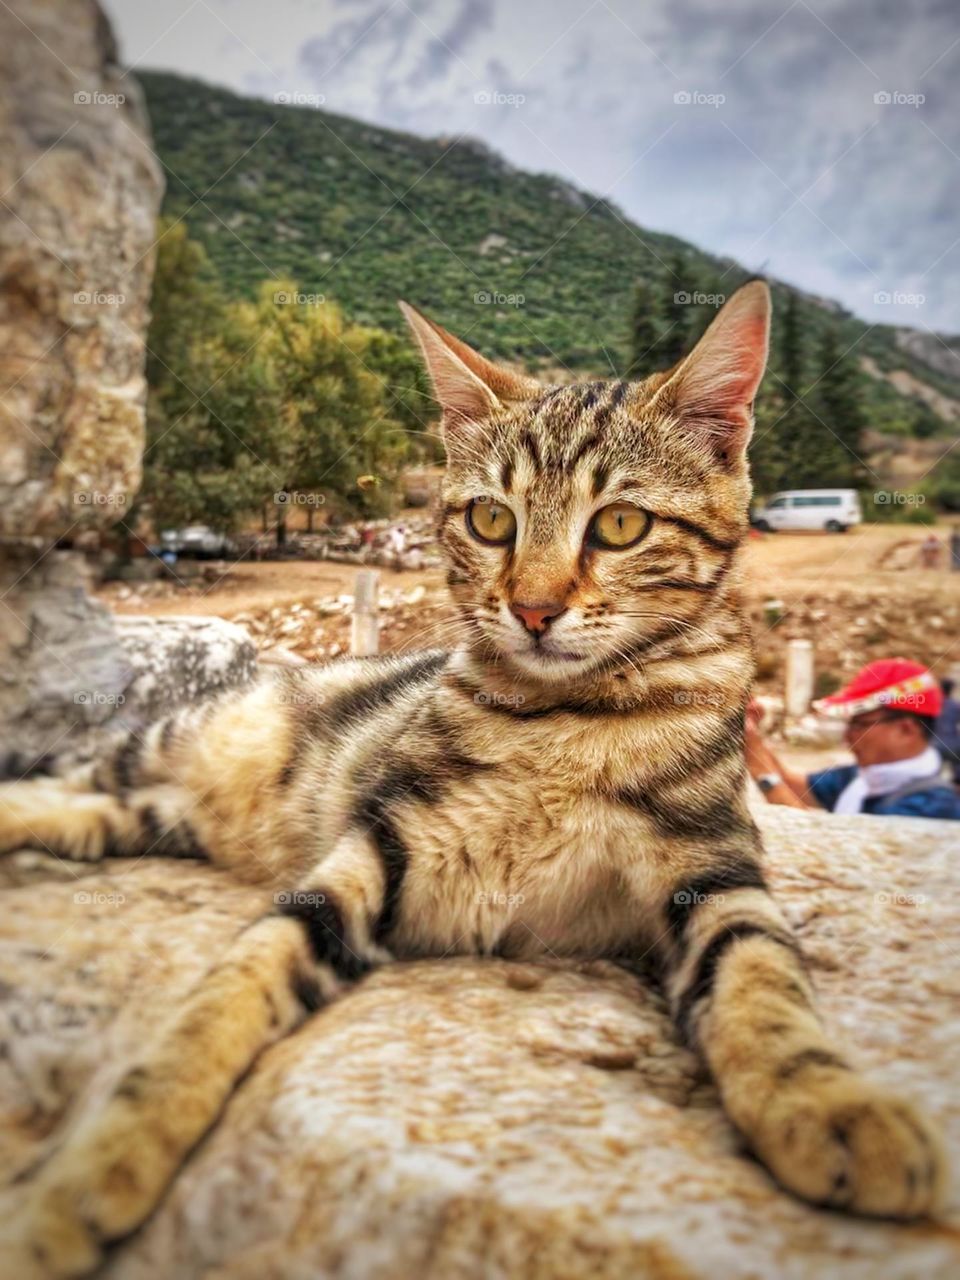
x=585 y=524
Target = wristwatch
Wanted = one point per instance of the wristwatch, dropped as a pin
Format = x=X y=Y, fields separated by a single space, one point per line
x=767 y=781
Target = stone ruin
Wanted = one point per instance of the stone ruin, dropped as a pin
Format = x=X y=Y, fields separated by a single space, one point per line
x=82 y=191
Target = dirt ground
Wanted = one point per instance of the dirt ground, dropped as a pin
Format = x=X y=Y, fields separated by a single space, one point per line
x=857 y=596
x=225 y=589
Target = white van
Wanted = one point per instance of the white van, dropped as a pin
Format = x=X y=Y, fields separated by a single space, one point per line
x=832 y=509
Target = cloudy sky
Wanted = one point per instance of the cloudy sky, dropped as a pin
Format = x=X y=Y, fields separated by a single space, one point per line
x=818 y=141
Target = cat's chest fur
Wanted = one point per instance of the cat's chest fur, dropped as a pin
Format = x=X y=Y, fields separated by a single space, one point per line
x=527 y=861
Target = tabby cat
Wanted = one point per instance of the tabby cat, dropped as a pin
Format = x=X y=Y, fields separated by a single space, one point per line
x=568 y=781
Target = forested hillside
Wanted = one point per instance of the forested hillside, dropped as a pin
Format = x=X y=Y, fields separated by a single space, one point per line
x=523 y=265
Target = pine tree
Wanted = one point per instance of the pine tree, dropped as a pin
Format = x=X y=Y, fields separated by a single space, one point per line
x=791 y=348
x=646 y=331
x=840 y=406
x=677 y=310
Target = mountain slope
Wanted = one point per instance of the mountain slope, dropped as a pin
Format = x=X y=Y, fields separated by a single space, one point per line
x=523 y=265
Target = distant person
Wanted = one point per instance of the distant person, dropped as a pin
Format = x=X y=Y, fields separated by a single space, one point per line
x=955 y=548
x=946 y=732
x=891 y=709
x=930 y=550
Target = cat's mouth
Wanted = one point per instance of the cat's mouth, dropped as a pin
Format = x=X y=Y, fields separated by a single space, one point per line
x=557 y=655
x=549 y=661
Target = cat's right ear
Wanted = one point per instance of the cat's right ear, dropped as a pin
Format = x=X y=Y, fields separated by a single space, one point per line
x=468 y=387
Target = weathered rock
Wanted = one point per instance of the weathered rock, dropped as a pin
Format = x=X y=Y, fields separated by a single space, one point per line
x=179 y=660
x=71 y=674
x=63 y=673
x=83 y=191
x=460 y=1119
x=81 y=194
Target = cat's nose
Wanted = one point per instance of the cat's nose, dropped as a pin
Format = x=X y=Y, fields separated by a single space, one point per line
x=537 y=617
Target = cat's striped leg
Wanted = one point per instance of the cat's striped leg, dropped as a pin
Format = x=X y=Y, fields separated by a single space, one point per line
x=740 y=993
x=69 y=820
x=202 y=782
x=116 y=1164
x=133 y=800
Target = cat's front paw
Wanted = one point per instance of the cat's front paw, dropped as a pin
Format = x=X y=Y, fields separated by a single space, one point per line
x=47 y=1239
x=846 y=1143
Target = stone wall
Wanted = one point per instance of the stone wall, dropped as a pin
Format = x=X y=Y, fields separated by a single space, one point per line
x=82 y=191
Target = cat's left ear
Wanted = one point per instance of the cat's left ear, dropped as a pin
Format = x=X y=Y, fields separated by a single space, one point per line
x=712 y=390
x=468 y=387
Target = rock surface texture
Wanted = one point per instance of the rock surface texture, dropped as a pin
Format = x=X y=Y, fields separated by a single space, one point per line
x=72 y=675
x=459 y=1119
x=81 y=190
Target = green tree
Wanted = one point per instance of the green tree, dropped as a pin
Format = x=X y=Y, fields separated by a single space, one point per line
x=646 y=330
x=788 y=438
x=252 y=402
x=924 y=422
x=408 y=397
x=212 y=411
x=943 y=484
x=679 y=288
x=335 y=415
x=187 y=303
x=840 y=406
x=790 y=349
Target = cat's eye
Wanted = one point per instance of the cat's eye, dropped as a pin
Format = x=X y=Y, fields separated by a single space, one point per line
x=619 y=525
x=491 y=521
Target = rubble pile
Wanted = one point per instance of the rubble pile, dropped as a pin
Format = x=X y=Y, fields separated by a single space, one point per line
x=315 y=630
x=405 y=543
x=850 y=628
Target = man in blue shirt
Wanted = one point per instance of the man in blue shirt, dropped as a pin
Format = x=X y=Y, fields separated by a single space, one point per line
x=947 y=730
x=890 y=709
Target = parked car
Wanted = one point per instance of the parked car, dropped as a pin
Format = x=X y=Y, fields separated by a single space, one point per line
x=197 y=540
x=832 y=509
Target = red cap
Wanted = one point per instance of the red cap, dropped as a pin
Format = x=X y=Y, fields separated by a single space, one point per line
x=890 y=682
